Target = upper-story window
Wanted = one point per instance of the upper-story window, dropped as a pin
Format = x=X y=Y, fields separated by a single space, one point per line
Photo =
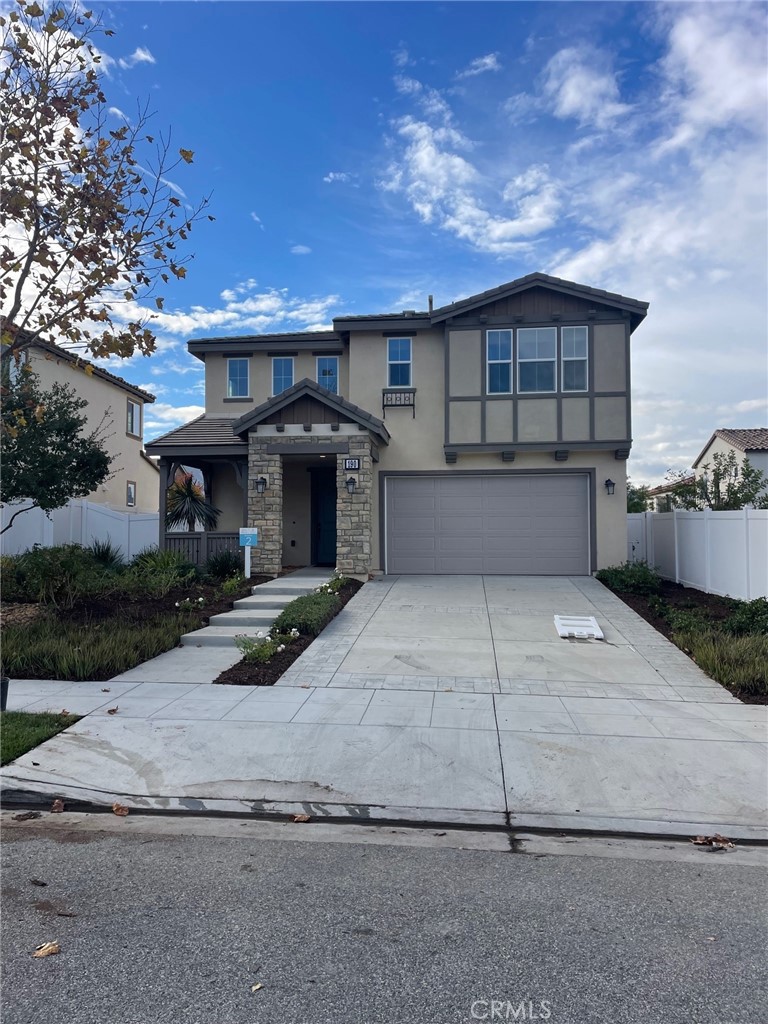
x=328 y=373
x=499 y=362
x=399 y=362
x=574 y=359
x=282 y=374
x=237 y=378
x=536 y=359
x=133 y=423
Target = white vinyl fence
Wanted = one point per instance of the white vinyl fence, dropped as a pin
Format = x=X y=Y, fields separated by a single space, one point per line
x=723 y=553
x=79 y=522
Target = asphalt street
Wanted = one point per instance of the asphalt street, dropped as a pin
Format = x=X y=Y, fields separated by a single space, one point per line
x=373 y=926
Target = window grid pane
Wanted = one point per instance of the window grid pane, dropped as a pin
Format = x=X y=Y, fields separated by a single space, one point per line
x=575 y=359
x=499 y=362
x=237 y=378
x=282 y=375
x=328 y=373
x=536 y=359
x=399 y=362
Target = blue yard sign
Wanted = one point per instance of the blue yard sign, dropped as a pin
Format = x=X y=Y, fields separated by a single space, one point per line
x=249 y=538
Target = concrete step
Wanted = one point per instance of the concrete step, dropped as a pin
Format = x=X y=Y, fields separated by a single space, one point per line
x=258 y=618
x=287 y=591
x=257 y=602
x=218 y=636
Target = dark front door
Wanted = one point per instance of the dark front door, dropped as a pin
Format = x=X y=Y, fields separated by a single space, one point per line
x=324 y=516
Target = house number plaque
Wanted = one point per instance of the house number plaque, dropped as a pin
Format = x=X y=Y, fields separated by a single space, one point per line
x=352 y=464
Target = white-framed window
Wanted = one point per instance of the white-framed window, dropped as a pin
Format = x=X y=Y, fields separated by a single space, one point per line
x=398 y=362
x=536 y=359
x=282 y=374
x=574 y=372
x=328 y=373
x=130 y=493
x=499 y=362
x=133 y=422
x=237 y=378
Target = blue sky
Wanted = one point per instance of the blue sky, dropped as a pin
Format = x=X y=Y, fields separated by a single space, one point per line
x=362 y=156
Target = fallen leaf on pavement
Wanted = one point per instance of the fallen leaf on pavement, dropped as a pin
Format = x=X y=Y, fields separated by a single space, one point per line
x=26 y=815
x=120 y=809
x=64 y=712
x=255 y=988
x=57 y=806
x=37 y=881
x=439 y=833
x=716 y=842
x=47 y=949
x=112 y=711
x=65 y=913
x=305 y=686
x=105 y=689
x=301 y=817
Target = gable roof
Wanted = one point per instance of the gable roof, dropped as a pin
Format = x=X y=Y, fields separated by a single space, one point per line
x=633 y=306
x=96 y=371
x=308 y=387
x=748 y=439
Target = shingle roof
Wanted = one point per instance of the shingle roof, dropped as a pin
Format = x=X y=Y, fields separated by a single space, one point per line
x=319 y=335
x=310 y=387
x=208 y=431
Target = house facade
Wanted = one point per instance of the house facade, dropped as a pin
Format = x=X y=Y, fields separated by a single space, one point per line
x=132 y=485
x=486 y=436
x=743 y=442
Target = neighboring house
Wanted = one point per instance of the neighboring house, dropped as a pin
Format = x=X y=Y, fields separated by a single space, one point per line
x=132 y=485
x=486 y=436
x=659 y=498
x=750 y=442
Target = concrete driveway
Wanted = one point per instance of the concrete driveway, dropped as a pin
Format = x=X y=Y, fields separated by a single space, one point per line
x=440 y=699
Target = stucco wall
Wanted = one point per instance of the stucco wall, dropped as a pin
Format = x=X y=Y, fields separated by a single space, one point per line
x=108 y=399
x=758 y=460
x=259 y=380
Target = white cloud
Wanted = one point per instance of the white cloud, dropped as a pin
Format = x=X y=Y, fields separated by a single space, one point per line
x=401 y=57
x=522 y=108
x=117 y=112
x=140 y=55
x=300 y=250
x=257 y=220
x=579 y=83
x=332 y=176
x=490 y=62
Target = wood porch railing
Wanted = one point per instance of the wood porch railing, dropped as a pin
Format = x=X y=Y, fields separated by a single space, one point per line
x=198 y=547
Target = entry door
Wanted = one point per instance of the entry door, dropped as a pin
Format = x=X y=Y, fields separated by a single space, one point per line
x=323 y=516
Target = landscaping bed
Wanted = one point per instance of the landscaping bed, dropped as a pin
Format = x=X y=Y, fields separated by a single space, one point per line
x=726 y=638
x=310 y=614
x=76 y=613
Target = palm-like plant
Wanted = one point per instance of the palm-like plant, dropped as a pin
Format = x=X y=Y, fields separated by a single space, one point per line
x=186 y=505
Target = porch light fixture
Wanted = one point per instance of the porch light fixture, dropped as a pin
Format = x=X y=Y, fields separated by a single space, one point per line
x=261 y=485
x=610 y=486
x=351 y=484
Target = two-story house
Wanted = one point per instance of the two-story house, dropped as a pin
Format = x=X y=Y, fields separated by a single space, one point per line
x=486 y=436
x=118 y=408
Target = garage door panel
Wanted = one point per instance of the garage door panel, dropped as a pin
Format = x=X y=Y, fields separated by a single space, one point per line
x=504 y=523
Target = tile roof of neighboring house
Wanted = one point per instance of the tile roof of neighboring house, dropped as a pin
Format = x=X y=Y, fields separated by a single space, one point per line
x=310 y=387
x=73 y=357
x=749 y=439
x=666 y=488
x=205 y=431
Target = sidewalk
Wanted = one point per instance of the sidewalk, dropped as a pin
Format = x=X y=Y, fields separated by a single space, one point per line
x=623 y=736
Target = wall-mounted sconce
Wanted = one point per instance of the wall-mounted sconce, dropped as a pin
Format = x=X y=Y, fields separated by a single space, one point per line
x=610 y=486
x=351 y=484
x=261 y=485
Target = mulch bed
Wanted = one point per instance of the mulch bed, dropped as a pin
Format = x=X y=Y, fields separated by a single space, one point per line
x=713 y=607
x=267 y=674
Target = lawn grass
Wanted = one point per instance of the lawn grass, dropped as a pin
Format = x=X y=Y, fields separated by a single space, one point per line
x=20 y=731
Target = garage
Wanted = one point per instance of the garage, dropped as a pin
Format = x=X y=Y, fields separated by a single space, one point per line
x=504 y=523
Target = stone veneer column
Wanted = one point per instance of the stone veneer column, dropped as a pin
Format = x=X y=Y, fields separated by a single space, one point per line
x=265 y=511
x=353 y=511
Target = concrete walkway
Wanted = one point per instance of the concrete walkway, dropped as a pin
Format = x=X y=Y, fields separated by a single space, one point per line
x=432 y=699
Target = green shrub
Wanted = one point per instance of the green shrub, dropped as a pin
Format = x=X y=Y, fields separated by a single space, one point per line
x=56 y=649
x=261 y=649
x=232 y=585
x=749 y=617
x=58 y=575
x=107 y=555
x=738 y=662
x=309 y=614
x=153 y=558
x=334 y=584
x=223 y=565
x=631 y=578
x=11 y=579
x=155 y=573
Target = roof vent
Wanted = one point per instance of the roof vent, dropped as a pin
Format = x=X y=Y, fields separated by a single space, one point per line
x=409 y=312
x=430 y=301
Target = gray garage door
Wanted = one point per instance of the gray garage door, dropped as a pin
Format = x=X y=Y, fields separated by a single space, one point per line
x=516 y=524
